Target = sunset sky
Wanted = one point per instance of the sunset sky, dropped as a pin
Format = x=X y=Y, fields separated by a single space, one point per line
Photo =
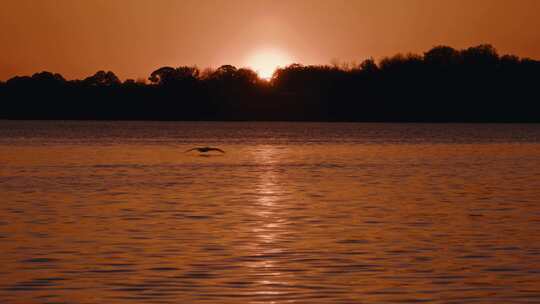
x=134 y=37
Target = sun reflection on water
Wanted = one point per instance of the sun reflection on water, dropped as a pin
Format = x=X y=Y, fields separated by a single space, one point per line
x=268 y=199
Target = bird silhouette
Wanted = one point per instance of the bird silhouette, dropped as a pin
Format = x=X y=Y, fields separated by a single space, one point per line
x=205 y=149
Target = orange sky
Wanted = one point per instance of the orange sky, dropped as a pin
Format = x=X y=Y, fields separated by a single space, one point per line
x=134 y=37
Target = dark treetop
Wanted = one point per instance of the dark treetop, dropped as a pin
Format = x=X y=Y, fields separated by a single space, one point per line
x=442 y=85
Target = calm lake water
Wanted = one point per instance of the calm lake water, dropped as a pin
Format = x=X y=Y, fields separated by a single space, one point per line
x=115 y=212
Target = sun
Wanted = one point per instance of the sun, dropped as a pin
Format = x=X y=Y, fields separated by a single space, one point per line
x=266 y=61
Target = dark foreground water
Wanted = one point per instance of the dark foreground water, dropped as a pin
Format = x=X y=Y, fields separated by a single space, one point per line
x=106 y=212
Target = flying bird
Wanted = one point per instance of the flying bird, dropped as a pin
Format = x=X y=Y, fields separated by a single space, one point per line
x=205 y=149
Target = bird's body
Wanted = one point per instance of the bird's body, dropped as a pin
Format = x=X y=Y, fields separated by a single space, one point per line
x=205 y=150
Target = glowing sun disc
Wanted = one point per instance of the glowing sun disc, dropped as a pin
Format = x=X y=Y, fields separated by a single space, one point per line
x=265 y=62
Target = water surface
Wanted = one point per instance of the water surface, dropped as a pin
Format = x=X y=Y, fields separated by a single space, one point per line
x=115 y=212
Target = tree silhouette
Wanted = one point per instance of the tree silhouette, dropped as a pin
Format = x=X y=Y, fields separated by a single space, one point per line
x=369 y=66
x=168 y=76
x=444 y=84
x=482 y=56
x=102 y=79
x=442 y=57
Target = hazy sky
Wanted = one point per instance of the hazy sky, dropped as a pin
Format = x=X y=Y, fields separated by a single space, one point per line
x=134 y=37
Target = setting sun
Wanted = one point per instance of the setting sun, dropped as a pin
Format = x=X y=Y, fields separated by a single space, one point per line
x=265 y=62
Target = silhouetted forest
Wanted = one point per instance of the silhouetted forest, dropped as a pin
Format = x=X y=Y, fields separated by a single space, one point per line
x=442 y=85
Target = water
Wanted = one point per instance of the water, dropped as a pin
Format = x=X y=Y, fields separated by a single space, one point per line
x=115 y=212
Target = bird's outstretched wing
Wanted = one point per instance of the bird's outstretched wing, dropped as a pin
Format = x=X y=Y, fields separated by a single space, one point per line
x=193 y=149
x=216 y=149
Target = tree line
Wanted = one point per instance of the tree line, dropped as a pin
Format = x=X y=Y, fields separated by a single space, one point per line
x=442 y=85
